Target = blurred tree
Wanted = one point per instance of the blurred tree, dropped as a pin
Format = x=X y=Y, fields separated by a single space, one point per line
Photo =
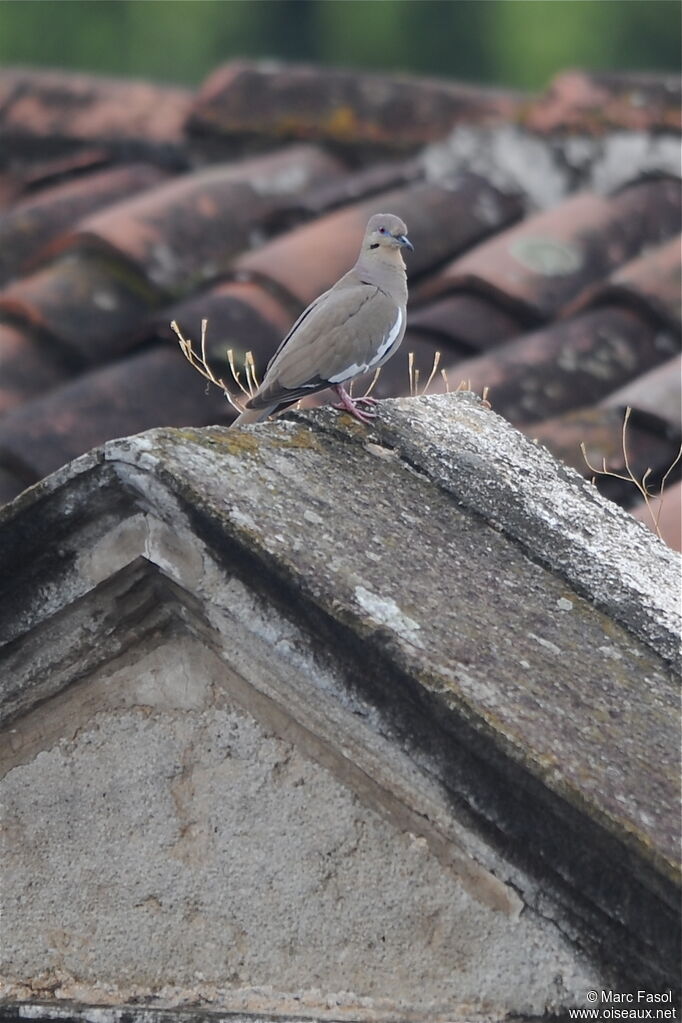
x=530 y=41
x=429 y=36
x=515 y=42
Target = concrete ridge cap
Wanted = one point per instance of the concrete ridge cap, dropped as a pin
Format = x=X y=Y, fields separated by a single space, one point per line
x=499 y=474
x=553 y=512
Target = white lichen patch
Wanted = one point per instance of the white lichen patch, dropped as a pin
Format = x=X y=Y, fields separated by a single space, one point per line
x=242 y=518
x=611 y=652
x=384 y=611
x=546 y=643
x=380 y=451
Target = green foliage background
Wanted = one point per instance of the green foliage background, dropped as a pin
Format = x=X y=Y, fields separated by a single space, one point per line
x=514 y=42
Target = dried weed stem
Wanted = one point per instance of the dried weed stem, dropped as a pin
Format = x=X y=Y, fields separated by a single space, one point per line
x=629 y=477
x=247 y=381
x=199 y=362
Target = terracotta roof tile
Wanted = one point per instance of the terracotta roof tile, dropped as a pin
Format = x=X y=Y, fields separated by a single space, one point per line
x=441 y=220
x=658 y=393
x=242 y=316
x=9 y=190
x=149 y=388
x=600 y=428
x=189 y=229
x=542 y=263
x=60 y=105
x=308 y=102
x=34 y=170
x=670 y=515
x=594 y=102
x=90 y=300
x=653 y=436
x=569 y=362
x=29 y=365
x=650 y=283
x=95 y=300
x=38 y=219
x=546 y=169
x=353 y=187
x=466 y=323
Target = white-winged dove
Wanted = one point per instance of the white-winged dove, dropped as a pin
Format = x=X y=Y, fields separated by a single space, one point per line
x=352 y=328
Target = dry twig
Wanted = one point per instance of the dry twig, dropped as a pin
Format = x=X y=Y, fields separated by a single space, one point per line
x=199 y=362
x=629 y=477
x=247 y=379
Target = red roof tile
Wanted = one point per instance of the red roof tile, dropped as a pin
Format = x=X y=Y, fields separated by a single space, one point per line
x=542 y=263
x=82 y=107
x=596 y=102
x=149 y=388
x=295 y=101
x=91 y=301
x=669 y=515
x=39 y=219
x=9 y=190
x=658 y=393
x=96 y=296
x=36 y=172
x=568 y=363
x=242 y=316
x=353 y=187
x=466 y=323
x=600 y=428
x=441 y=220
x=188 y=230
x=650 y=283
x=29 y=365
x=653 y=432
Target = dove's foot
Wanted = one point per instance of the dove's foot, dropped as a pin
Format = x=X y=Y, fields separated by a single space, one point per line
x=348 y=404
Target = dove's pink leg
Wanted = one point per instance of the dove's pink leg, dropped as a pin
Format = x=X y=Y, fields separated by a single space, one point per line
x=349 y=404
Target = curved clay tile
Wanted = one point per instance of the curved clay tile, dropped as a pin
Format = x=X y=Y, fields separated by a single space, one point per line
x=241 y=316
x=189 y=229
x=29 y=364
x=348 y=106
x=596 y=102
x=121 y=264
x=541 y=264
x=650 y=283
x=467 y=322
x=441 y=220
x=91 y=300
x=600 y=429
x=71 y=105
x=39 y=219
x=567 y=364
x=658 y=392
x=151 y=387
x=669 y=515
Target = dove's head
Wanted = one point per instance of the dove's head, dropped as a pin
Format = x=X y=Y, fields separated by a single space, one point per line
x=386 y=232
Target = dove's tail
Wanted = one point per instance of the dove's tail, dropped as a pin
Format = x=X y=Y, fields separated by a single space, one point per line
x=253 y=415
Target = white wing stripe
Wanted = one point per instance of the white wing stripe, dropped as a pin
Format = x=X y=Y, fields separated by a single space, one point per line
x=357 y=369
